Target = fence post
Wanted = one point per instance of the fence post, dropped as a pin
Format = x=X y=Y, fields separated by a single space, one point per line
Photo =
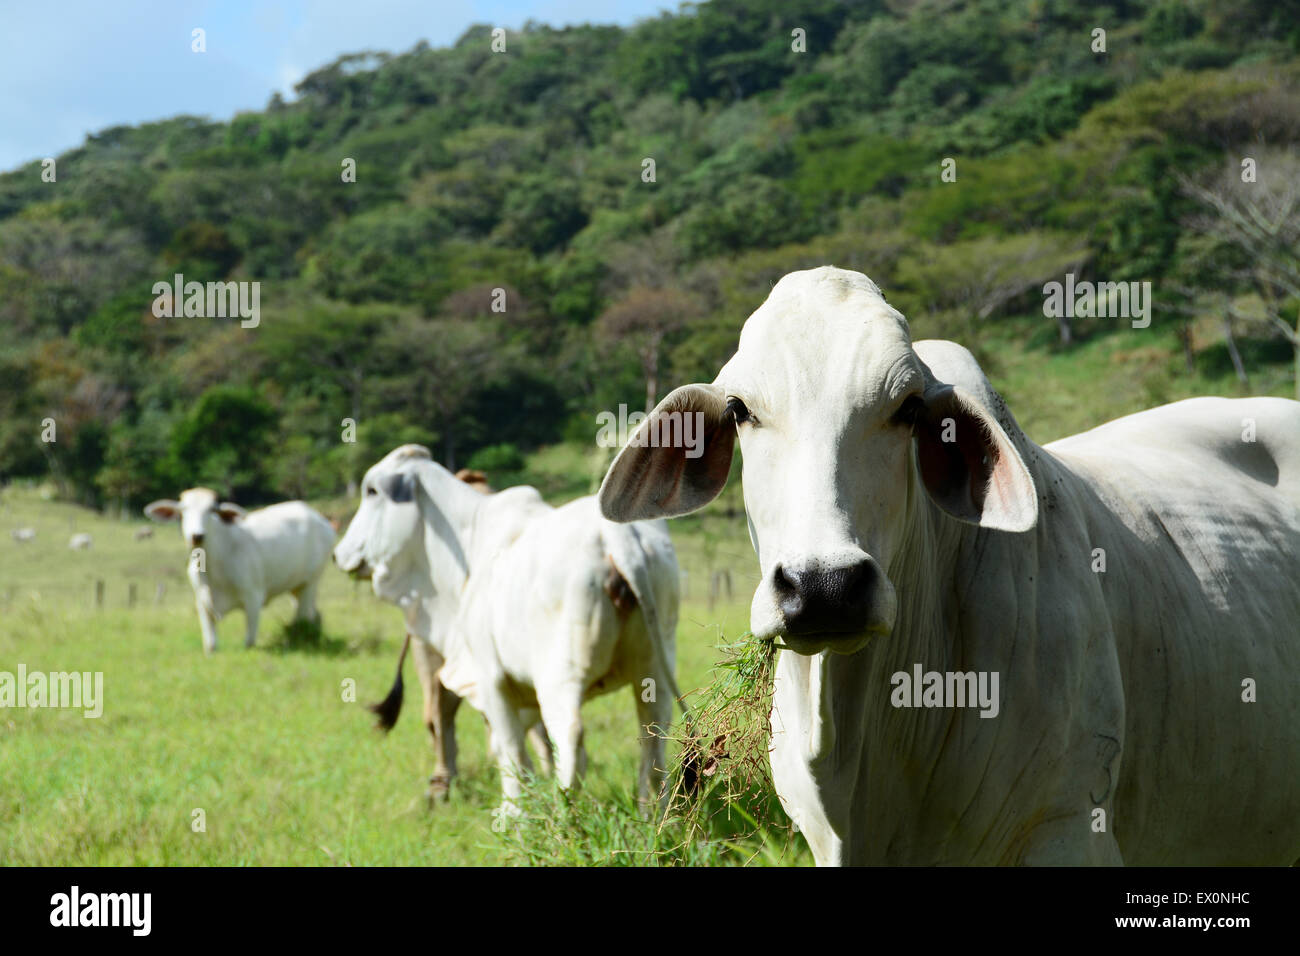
x=130 y=595
x=99 y=593
x=159 y=590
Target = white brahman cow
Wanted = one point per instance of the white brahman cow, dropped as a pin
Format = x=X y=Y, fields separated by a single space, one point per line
x=81 y=542
x=527 y=610
x=23 y=535
x=1136 y=587
x=244 y=559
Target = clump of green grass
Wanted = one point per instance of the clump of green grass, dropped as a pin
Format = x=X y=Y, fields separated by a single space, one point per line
x=556 y=827
x=303 y=636
x=723 y=780
x=722 y=808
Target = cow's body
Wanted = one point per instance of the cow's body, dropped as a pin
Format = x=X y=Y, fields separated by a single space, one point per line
x=508 y=597
x=1126 y=729
x=244 y=560
x=1121 y=689
x=574 y=608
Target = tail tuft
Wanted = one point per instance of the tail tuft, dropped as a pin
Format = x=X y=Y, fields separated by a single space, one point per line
x=390 y=708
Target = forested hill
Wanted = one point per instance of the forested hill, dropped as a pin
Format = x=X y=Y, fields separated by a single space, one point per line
x=634 y=192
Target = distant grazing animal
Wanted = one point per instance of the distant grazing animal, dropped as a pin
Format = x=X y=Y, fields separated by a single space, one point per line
x=529 y=610
x=1135 y=588
x=23 y=535
x=243 y=559
x=80 y=542
x=143 y=534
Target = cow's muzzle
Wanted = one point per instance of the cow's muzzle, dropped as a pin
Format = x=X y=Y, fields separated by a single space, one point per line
x=356 y=568
x=838 y=608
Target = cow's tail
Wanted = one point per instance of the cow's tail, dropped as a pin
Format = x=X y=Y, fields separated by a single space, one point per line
x=634 y=570
x=390 y=708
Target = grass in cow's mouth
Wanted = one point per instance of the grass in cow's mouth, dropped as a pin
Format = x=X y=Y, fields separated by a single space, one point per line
x=722 y=807
x=722 y=769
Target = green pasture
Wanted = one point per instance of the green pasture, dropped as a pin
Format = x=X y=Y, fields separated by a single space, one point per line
x=262 y=741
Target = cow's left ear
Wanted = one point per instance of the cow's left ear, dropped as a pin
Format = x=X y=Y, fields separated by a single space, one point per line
x=229 y=512
x=969 y=465
x=677 y=460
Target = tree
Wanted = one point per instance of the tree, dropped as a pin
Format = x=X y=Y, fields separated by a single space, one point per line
x=1257 y=226
x=225 y=441
x=974 y=280
x=643 y=319
x=438 y=367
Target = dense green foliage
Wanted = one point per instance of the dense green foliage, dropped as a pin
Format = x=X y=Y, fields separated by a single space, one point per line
x=525 y=172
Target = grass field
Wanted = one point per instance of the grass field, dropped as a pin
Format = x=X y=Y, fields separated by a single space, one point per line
x=261 y=741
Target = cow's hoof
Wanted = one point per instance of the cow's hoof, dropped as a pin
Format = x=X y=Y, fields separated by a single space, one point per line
x=439 y=789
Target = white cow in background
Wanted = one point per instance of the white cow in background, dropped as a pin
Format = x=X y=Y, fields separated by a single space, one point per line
x=23 y=535
x=530 y=609
x=81 y=542
x=243 y=559
x=1135 y=587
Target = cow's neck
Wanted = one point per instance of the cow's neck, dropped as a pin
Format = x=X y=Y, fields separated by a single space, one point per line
x=449 y=509
x=876 y=769
x=224 y=542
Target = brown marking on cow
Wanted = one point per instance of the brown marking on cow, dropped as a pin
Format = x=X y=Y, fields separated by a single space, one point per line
x=619 y=591
x=475 y=479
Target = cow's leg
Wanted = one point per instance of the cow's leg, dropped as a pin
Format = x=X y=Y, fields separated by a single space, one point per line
x=208 y=628
x=542 y=748
x=440 y=706
x=506 y=744
x=252 y=610
x=653 y=716
x=561 y=713
x=305 y=601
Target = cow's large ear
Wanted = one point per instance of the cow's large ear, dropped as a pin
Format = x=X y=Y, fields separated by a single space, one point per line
x=164 y=509
x=229 y=512
x=676 y=461
x=969 y=465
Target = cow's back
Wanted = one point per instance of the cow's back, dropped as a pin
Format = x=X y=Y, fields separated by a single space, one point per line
x=1196 y=507
x=293 y=543
x=544 y=602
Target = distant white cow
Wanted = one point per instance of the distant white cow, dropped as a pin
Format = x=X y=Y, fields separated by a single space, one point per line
x=80 y=542
x=1135 y=591
x=23 y=535
x=243 y=559
x=533 y=609
x=143 y=534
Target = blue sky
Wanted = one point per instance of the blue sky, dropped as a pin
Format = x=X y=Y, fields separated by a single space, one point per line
x=69 y=67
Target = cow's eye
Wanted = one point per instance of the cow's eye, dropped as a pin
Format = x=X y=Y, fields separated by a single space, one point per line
x=737 y=410
x=371 y=491
x=909 y=411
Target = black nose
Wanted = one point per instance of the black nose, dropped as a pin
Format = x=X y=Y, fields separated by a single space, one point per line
x=196 y=540
x=836 y=600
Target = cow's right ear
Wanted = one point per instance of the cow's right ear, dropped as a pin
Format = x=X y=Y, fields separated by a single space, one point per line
x=676 y=461
x=164 y=509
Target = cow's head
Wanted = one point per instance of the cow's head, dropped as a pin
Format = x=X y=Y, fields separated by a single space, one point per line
x=198 y=510
x=843 y=428
x=384 y=540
